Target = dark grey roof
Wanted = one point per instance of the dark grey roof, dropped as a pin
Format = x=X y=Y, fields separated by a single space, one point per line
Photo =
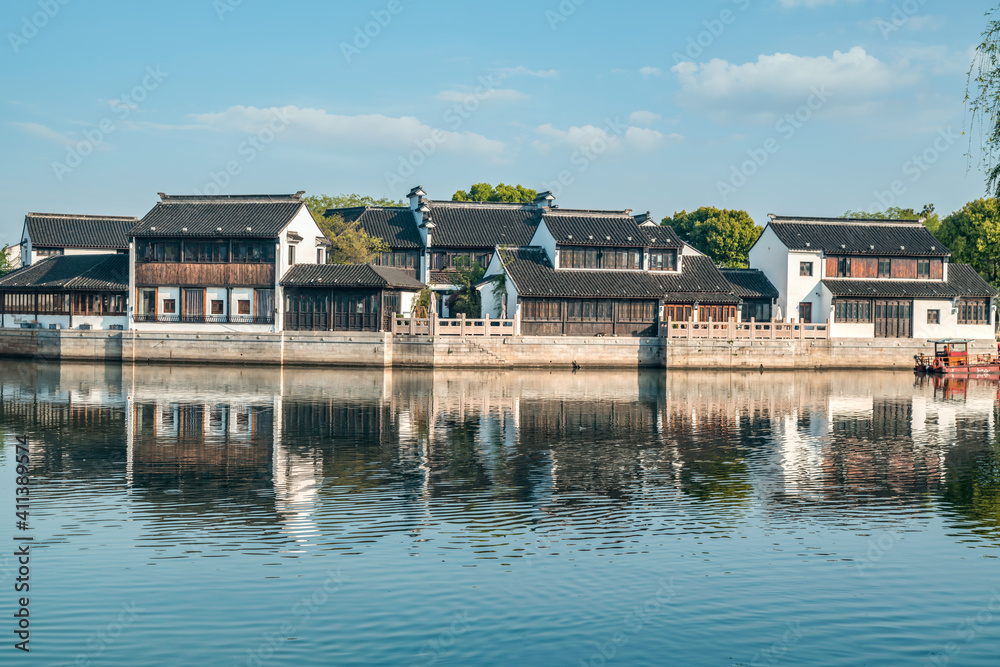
x=894 y=238
x=59 y=230
x=349 y=275
x=482 y=225
x=534 y=277
x=606 y=230
x=395 y=226
x=231 y=216
x=750 y=283
x=72 y=272
x=962 y=281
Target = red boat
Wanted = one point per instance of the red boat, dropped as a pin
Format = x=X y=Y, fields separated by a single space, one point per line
x=951 y=357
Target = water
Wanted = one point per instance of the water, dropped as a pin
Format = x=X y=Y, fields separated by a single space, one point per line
x=215 y=516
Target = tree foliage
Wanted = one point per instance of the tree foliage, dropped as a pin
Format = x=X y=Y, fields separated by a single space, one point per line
x=724 y=235
x=467 y=299
x=5 y=263
x=982 y=95
x=931 y=220
x=972 y=233
x=320 y=204
x=351 y=243
x=513 y=194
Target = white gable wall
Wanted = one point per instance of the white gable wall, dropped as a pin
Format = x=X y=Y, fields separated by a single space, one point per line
x=544 y=239
x=770 y=256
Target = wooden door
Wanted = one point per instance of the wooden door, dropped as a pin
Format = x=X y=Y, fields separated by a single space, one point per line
x=893 y=319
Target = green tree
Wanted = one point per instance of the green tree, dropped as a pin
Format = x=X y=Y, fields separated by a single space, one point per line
x=351 y=243
x=467 y=299
x=931 y=220
x=5 y=263
x=972 y=233
x=320 y=204
x=982 y=95
x=513 y=194
x=724 y=235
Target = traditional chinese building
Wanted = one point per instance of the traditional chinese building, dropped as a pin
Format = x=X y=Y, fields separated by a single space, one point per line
x=53 y=234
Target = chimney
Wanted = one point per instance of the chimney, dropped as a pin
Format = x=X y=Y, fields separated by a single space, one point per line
x=544 y=199
x=416 y=197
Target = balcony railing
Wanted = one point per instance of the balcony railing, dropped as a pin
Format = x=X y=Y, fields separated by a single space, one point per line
x=460 y=326
x=207 y=319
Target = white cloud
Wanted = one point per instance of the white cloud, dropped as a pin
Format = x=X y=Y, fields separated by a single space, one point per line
x=373 y=131
x=648 y=72
x=461 y=96
x=643 y=117
x=598 y=139
x=521 y=70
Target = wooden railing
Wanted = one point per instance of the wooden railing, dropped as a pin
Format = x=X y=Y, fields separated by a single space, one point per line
x=751 y=330
x=460 y=326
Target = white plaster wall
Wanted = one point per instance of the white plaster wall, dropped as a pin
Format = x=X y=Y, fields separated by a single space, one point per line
x=770 y=256
x=804 y=289
x=852 y=330
x=543 y=239
x=406 y=300
x=217 y=294
x=241 y=294
x=165 y=293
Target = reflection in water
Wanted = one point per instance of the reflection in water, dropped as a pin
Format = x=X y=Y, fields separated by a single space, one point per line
x=517 y=469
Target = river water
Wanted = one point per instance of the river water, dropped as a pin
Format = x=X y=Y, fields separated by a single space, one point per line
x=233 y=516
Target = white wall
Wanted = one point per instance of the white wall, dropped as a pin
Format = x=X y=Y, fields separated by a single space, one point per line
x=805 y=289
x=770 y=256
x=166 y=293
x=543 y=239
x=95 y=322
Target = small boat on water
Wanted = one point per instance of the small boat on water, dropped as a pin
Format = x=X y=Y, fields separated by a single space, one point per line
x=951 y=357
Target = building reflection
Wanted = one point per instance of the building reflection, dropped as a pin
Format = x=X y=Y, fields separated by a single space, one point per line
x=284 y=446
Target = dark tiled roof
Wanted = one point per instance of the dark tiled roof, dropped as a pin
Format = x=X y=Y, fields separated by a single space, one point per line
x=395 y=226
x=57 y=230
x=750 y=283
x=72 y=272
x=609 y=230
x=220 y=216
x=896 y=238
x=700 y=280
x=349 y=275
x=962 y=281
x=479 y=225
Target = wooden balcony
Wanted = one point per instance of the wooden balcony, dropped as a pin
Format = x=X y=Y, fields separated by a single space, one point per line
x=151 y=274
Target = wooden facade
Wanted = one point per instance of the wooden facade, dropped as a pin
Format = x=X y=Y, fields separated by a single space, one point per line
x=589 y=317
x=153 y=274
x=900 y=268
x=327 y=309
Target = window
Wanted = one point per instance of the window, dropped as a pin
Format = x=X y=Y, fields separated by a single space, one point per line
x=217 y=307
x=805 y=268
x=253 y=252
x=158 y=251
x=973 y=311
x=147 y=302
x=574 y=257
x=679 y=313
x=291 y=255
x=852 y=311
x=805 y=313
x=933 y=317
x=169 y=306
x=265 y=305
x=243 y=306
x=923 y=268
x=885 y=268
x=49 y=252
x=843 y=267
x=665 y=260
x=206 y=252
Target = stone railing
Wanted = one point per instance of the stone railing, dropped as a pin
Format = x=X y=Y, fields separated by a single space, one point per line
x=459 y=326
x=751 y=330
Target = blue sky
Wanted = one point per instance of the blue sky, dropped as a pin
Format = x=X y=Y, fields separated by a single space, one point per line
x=795 y=107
